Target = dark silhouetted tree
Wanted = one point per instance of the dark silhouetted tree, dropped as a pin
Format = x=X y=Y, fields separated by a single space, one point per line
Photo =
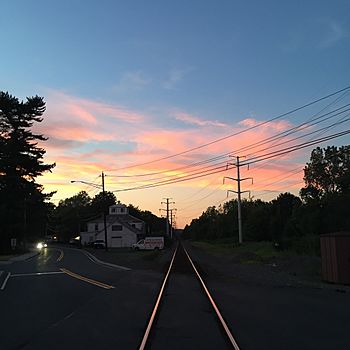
x=328 y=172
x=21 y=162
x=102 y=202
x=71 y=214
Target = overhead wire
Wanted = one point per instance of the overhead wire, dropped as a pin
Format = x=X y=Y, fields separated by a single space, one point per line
x=250 y=161
x=239 y=132
x=278 y=136
x=326 y=128
x=202 y=198
x=215 y=166
x=299 y=128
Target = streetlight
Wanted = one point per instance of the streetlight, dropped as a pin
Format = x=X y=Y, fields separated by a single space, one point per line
x=104 y=199
x=87 y=183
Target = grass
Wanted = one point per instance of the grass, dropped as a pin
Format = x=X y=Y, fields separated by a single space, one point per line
x=248 y=253
x=302 y=263
x=7 y=257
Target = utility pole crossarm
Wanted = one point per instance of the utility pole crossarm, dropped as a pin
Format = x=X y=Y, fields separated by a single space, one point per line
x=231 y=191
x=247 y=178
x=227 y=177
x=240 y=192
x=167 y=213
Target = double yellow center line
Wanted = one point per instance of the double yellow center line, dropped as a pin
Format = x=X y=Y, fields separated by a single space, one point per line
x=85 y=279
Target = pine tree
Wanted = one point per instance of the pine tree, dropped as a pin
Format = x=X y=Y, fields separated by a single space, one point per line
x=21 y=162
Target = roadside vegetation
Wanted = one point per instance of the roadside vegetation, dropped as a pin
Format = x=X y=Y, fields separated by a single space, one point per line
x=287 y=223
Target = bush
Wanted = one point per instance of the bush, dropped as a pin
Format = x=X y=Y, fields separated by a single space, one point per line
x=306 y=245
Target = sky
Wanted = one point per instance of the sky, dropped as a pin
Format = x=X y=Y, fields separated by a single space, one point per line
x=127 y=83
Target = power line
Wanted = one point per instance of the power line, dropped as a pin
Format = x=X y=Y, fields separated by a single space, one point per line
x=250 y=161
x=202 y=198
x=305 y=135
x=177 y=176
x=295 y=148
x=239 y=132
x=180 y=179
x=275 y=137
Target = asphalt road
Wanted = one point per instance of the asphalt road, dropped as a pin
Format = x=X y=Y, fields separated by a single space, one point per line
x=56 y=310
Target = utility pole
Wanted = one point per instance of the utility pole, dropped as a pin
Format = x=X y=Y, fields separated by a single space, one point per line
x=25 y=224
x=239 y=192
x=171 y=221
x=104 y=209
x=167 y=213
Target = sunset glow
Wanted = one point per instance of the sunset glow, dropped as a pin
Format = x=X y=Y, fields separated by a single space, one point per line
x=127 y=87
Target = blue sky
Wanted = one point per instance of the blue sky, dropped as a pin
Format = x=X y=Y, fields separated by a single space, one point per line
x=224 y=58
x=216 y=61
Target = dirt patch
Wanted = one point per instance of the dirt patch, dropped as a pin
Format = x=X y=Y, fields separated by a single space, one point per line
x=252 y=269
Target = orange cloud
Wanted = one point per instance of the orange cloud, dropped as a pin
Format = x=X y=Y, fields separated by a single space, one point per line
x=86 y=137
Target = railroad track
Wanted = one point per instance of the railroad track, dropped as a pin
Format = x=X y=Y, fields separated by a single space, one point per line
x=185 y=315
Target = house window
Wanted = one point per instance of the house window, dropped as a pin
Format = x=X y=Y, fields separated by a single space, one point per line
x=96 y=227
x=133 y=225
x=122 y=210
x=113 y=210
x=117 y=228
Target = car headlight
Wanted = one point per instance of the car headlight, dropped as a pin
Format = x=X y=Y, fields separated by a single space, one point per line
x=41 y=245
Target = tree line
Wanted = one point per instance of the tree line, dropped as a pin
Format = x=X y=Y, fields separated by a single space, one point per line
x=26 y=212
x=289 y=221
x=23 y=204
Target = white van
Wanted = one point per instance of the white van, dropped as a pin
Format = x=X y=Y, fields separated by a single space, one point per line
x=149 y=243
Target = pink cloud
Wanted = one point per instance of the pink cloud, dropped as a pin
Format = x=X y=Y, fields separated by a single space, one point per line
x=194 y=120
x=75 y=124
x=277 y=125
x=81 y=113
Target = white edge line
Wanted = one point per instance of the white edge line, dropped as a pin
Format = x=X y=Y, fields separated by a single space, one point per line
x=5 y=281
x=148 y=329
x=227 y=330
x=37 y=274
x=97 y=261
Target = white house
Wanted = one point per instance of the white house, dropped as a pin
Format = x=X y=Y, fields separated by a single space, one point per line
x=123 y=229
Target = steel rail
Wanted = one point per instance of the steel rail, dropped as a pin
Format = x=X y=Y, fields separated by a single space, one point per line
x=155 y=309
x=223 y=323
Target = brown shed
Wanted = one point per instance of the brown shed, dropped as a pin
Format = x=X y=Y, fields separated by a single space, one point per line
x=335 y=257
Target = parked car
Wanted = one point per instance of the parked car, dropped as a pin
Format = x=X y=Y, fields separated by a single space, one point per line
x=149 y=243
x=99 y=244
